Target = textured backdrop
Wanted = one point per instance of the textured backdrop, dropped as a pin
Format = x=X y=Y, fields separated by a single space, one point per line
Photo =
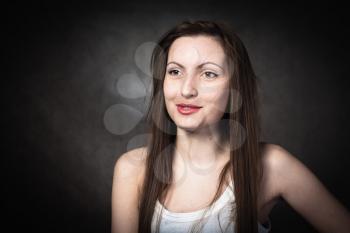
x=78 y=86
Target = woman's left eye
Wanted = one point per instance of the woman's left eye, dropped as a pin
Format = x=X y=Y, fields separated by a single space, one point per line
x=210 y=75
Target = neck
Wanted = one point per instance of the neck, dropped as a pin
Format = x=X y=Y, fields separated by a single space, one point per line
x=201 y=147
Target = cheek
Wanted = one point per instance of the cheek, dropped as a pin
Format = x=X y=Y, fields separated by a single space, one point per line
x=170 y=90
x=216 y=99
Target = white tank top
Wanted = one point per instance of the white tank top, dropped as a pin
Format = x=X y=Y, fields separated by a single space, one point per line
x=218 y=215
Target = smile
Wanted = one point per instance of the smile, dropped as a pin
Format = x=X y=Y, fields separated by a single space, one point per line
x=187 y=109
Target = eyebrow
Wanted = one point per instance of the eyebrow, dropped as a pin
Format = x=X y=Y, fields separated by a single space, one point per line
x=200 y=66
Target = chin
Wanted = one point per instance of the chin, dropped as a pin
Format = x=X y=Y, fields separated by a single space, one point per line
x=190 y=128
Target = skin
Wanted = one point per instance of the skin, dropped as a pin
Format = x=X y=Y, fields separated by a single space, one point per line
x=199 y=157
x=197 y=74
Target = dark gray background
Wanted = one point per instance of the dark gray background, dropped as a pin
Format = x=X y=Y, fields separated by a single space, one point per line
x=64 y=63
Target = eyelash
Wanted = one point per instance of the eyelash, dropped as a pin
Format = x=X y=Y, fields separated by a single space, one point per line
x=215 y=75
x=170 y=72
x=207 y=72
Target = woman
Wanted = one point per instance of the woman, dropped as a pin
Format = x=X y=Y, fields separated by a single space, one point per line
x=204 y=169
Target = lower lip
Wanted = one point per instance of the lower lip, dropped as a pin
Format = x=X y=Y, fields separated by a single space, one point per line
x=187 y=110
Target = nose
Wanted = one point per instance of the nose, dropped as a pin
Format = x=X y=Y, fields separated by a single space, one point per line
x=189 y=87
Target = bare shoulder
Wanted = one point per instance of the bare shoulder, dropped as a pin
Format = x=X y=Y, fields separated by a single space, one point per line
x=130 y=164
x=129 y=171
x=302 y=190
x=133 y=158
x=125 y=190
x=278 y=165
x=274 y=153
x=289 y=173
x=276 y=157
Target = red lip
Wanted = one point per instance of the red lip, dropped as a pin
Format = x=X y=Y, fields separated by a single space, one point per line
x=188 y=105
x=187 y=109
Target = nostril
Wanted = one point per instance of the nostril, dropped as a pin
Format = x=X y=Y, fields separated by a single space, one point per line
x=188 y=90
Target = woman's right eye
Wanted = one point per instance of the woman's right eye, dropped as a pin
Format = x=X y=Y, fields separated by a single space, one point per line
x=174 y=72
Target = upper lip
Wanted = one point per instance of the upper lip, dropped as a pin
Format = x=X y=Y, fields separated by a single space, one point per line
x=188 y=105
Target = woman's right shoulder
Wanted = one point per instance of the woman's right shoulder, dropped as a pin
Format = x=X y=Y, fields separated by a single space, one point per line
x=128 y=170
x=131 y=161
x=131 y=165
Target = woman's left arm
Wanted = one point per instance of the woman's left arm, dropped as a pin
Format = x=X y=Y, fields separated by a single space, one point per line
x=307 y=195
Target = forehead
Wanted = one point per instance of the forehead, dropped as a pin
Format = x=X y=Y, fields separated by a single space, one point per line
x=196 y=49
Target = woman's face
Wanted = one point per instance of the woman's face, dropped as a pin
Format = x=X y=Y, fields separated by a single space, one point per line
x=196 y=74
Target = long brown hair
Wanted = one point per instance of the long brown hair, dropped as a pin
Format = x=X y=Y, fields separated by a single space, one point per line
x=241 y=121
